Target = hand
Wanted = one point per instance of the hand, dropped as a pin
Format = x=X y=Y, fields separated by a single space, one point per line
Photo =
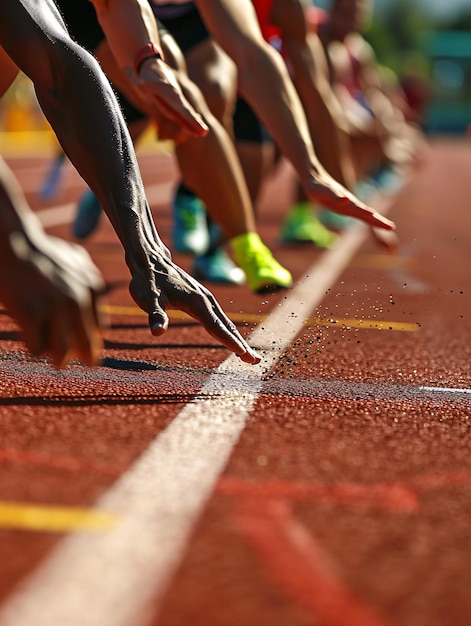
x=50 y=288
x=324 y=190
x=160 y=84
x=387 y=239
x=175 y=289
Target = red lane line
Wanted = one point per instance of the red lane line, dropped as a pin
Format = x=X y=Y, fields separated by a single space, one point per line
x=435 y=481
x=298 y=564
x=393 y=496
x=63 y=463
x=390 y=497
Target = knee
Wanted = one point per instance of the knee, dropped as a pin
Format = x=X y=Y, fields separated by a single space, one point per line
x=220 y=96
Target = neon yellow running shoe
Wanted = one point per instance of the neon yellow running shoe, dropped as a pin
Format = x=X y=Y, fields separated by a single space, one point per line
x=263 y=272
x=302 y=225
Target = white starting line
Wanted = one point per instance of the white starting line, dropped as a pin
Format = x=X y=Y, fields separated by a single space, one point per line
x=119 y=578
x=445 y=390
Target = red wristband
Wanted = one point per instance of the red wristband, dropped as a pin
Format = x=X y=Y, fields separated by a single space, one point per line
x=149 y=51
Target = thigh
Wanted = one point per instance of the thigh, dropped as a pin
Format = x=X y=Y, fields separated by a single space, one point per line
x=216 y=76
x=208 y=65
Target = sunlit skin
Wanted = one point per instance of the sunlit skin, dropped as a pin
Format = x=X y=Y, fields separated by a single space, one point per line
x=264 y=82
x=96 y=141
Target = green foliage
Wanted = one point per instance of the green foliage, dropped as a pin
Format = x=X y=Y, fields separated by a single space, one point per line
x=396 y=36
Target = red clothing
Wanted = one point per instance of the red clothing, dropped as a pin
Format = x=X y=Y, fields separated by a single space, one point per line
x=263 y=10
x=314 y=16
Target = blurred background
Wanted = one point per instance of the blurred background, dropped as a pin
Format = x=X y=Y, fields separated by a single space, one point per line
x=424 y=44
x=427 y=45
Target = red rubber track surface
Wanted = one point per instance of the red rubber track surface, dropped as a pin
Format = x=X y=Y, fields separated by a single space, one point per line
x=347 y=499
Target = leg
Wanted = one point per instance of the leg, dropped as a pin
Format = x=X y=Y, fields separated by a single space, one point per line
x=264 y=82
x=254 y=146
x=97 y=142
x=216 y=76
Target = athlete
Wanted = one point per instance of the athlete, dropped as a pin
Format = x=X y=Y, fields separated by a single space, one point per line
x=291 y=26
x=380 y=134
x=264 y=81
x=284 y=25
x=95 y=139
x=210 y=164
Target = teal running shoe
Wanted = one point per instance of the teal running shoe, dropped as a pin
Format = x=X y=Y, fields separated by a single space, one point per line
x=302 y=225
x=264 y=273
x=190 y=230
x=87 y=217
x=335 y=221
x=217 y=267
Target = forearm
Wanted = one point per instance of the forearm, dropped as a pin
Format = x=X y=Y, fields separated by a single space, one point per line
x=263 y=78
x=129 y=25
x=323 y=112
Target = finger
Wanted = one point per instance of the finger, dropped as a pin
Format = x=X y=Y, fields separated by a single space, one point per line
x=373 y=218
x=88 y=350
x=60 y=338
x=189 y=120
x=387 y=239
x=209 y=313
x=35 y=334
x=149 y=302
x=101 y=318
x=346 y=206
x=333 y=196
x=85 y=340
x=158 y=321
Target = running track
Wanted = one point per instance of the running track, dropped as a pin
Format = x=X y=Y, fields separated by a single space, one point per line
x=329 y=486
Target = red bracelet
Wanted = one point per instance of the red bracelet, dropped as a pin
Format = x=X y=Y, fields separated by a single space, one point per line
x=149 y=51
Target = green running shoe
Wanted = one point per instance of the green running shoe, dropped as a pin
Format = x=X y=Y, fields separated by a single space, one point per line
x=264 y=273
x=217 y=267
x=303 y=226
x=190 y=229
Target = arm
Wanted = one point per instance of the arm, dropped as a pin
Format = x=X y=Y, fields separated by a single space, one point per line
x=310 y=76
x=265 y=84
x=130 y=26
x=262 y=74
x=97 y=142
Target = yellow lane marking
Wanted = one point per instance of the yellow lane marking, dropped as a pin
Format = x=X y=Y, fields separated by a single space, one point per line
x=258 y=318
x=53 y=519
x=366 y=324
x=134 y=310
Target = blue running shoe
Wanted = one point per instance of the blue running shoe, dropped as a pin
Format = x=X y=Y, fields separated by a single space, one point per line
x=217 y=267
x=87 y=217
x=190 y=230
